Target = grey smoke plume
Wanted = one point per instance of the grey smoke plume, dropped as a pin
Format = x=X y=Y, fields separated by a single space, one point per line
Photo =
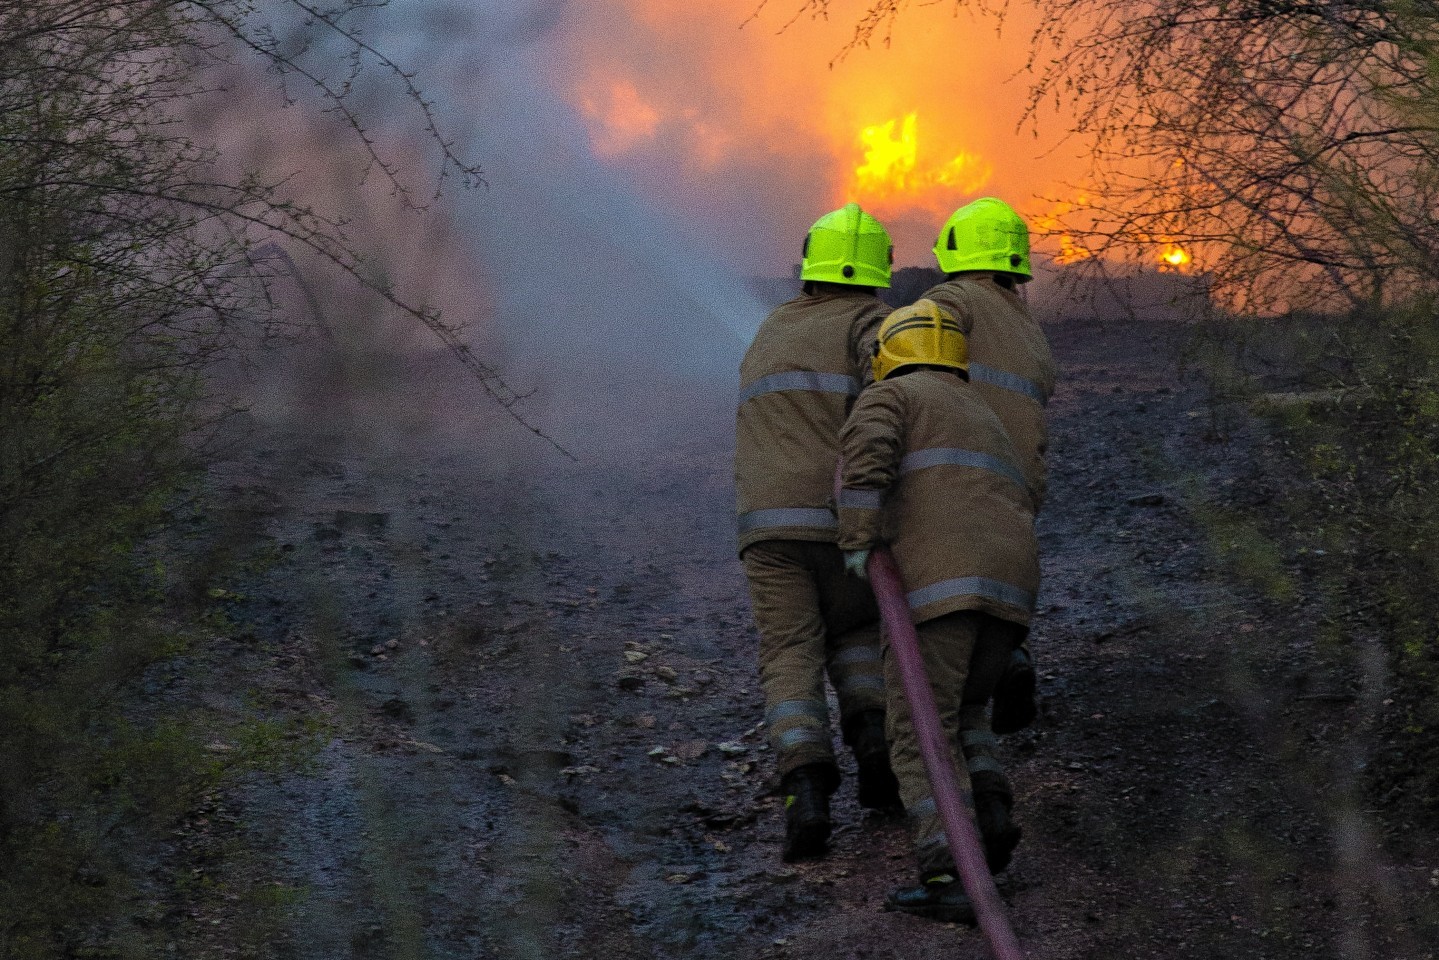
x=595 y=279
x=572 y=245
x=603 y=300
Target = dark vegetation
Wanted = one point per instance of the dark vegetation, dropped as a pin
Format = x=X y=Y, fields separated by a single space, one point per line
x=128 y=262
x=108 y=313
x=907 y=283
x=1343 y=514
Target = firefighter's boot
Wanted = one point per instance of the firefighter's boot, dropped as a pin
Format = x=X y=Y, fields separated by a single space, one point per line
x=878 y=788
x=806 y=811
x=939 y=896
x=999 y=833
x=1014 y=696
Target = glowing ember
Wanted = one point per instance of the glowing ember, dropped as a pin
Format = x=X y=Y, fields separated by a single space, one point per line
x=892 y=164
x=1175 y=256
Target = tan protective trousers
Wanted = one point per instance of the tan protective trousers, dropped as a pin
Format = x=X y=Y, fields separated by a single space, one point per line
x=812 y=619
x=964 y=655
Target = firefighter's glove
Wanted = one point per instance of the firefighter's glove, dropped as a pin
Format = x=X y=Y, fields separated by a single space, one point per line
x=855 y=561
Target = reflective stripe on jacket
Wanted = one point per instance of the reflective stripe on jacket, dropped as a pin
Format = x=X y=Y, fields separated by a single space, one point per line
x=1010 y=364
x=797 y=382
x=930 y=470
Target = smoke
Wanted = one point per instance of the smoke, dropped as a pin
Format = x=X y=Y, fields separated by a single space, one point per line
x=574 y=247
x=760 y=125
x=606 y=296
x=646 y=163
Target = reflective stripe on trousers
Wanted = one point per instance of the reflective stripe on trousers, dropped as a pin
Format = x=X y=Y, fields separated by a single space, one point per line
x=983 y=764
x=981 y=752
x=856 y=668
x=795 y=722
x=854 y=655
x=979 y=741
x=924 y=808
x=861 y=499
x=798 y=735
x=816 y=710
x=850 y=685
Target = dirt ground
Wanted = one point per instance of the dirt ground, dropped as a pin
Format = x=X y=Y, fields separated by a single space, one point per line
x=531 y=691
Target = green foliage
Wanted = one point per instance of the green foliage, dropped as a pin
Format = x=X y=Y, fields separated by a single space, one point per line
x=90 y=428
x=110 y=302
x=1247 y=549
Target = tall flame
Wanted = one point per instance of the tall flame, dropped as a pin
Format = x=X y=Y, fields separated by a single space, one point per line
x=888 y=161
x=892 y=165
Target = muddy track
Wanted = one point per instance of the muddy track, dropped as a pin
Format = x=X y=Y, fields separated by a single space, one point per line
x=538 y=707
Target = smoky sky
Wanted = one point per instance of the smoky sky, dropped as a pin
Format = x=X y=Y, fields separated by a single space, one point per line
x=645 y=162
x=659 y=158
x=581 y=257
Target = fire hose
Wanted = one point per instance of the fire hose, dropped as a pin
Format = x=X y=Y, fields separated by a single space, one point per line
x=954 y=801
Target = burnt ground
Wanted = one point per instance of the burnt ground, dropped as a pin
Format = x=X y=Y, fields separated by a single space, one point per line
x=524 y=697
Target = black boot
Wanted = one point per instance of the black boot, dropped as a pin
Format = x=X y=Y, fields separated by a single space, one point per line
x=939 y=896
x=806 y=811
x=999 y=833
x=864 y=733
x=1014 y=696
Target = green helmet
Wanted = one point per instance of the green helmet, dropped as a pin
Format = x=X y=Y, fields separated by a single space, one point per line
x=848 y=246
x=984 y=235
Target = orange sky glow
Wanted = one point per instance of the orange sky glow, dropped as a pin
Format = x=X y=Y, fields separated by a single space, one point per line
x=683 y=93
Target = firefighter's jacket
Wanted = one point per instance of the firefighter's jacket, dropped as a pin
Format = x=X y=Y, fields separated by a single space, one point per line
x=1010 y=364
x=929 y=470
x=797 y=382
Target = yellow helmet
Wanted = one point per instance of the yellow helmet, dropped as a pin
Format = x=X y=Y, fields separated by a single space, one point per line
x=848 y=246
x=923 y=333
x=984 y=235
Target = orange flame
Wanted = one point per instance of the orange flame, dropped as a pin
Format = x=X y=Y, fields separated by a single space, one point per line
x=1174 y=257
x=1051 y=232
x=892 y=168
x=711 y=117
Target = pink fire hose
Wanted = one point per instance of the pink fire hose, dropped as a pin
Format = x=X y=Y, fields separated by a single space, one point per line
x=954 y=802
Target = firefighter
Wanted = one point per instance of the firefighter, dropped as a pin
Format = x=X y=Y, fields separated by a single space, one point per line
x=984 y=249
x=797 y=382
x=930 y=471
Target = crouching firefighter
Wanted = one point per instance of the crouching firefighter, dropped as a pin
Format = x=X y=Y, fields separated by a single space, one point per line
x=930 y=471
x=797 y=382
